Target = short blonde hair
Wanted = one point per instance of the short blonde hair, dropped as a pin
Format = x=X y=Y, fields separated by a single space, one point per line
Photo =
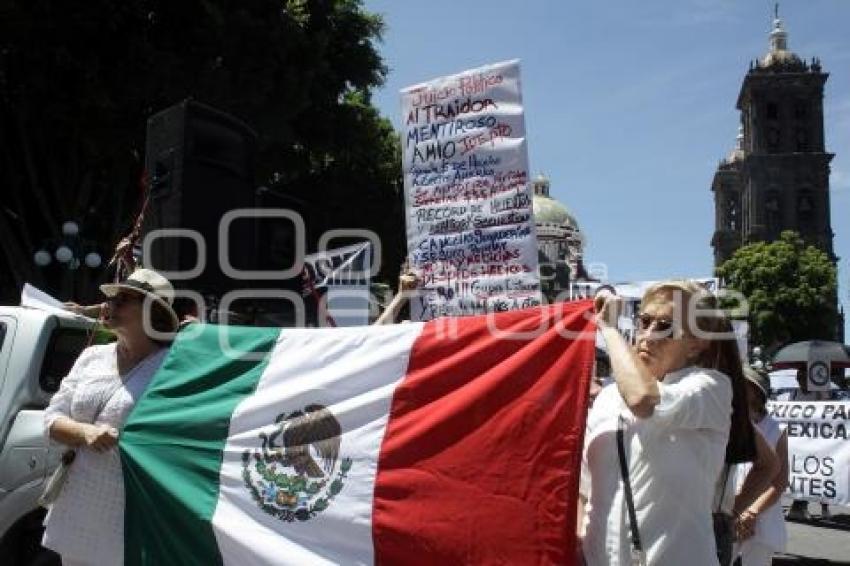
x=721 y=354
x=695 y=296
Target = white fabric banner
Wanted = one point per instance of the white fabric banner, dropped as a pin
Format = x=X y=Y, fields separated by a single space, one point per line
x=470 y=223
x=357 y=389
x=818 y=448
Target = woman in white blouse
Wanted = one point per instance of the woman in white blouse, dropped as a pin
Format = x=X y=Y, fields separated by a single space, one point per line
x=85 y=523
x=761 y=525
x=673 y=394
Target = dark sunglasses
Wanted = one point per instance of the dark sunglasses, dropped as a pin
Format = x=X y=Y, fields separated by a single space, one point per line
x=123 y=298
x=650 y=323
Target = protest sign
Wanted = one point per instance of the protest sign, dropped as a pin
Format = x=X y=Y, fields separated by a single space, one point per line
x=35 y=298
x=470 y=226
x=336 y=285
x=818 y=448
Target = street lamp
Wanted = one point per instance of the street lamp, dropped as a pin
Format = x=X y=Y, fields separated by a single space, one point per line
x=69 y=251
x=42 y=258
x=70 y=228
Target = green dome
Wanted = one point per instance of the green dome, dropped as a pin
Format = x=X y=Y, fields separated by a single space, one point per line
x=549 y=211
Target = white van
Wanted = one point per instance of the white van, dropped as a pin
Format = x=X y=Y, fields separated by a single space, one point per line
x=37 y=349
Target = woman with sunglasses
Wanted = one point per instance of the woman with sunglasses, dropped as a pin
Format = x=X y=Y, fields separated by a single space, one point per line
x=85 y=521
x=679 y=405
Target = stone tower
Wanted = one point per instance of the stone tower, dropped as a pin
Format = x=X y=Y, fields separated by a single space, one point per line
x=777 y=177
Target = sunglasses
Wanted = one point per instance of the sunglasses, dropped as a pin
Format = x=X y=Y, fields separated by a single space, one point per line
x=650 y=323
x=123 y=299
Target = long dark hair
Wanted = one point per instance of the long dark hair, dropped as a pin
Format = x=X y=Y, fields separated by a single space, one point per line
x=722 y=355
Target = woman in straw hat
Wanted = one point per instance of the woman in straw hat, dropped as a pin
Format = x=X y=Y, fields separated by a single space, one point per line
x=86 y=519
x=678 y=403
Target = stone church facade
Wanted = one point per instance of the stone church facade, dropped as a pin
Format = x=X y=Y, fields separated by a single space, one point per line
x=777 y=177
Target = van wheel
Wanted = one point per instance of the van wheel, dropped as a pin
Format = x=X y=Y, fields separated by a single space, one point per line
x=22 y=544
x=43 y=557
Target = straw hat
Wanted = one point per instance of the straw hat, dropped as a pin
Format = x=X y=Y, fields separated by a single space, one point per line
x=149 y=283
x=759 y=379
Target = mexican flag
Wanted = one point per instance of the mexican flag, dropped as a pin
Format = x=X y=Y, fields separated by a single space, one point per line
x=455 y=441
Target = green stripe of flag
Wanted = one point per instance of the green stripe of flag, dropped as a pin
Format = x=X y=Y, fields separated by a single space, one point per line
x=172 y=444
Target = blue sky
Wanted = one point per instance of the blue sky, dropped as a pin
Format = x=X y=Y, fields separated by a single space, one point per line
x=630 y=106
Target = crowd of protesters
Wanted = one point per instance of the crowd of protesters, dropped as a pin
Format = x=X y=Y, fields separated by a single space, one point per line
x=681 y=464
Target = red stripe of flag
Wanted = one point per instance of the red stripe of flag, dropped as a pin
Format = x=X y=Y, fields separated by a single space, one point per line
x=481 y=457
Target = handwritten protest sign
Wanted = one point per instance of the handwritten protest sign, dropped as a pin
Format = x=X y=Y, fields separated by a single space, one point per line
x=470 y=229
x=818 y=448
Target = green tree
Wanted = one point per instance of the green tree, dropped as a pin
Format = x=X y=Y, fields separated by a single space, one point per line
x=790 y=287
x=79 y=80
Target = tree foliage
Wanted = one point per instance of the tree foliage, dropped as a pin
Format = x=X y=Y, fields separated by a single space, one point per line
x=790 y=287
x=79 y=80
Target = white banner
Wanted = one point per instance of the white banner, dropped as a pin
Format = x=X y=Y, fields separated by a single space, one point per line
x=818 y=448
x=470 y=224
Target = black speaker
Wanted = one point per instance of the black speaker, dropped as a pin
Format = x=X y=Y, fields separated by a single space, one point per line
x=200 y=162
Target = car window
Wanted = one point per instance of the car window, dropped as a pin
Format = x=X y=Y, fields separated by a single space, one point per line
x=62 y=351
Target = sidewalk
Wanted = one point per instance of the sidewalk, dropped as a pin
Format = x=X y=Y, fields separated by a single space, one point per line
x=818 y=542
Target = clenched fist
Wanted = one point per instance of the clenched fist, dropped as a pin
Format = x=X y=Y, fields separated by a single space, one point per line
x=607 y=307
x=100 y=438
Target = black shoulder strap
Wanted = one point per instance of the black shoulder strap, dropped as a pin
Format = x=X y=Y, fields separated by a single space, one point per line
x=627 y=487
x=727 y=469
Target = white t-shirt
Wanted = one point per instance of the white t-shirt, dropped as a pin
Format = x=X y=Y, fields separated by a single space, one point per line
x=674 y=457
x=770 y=525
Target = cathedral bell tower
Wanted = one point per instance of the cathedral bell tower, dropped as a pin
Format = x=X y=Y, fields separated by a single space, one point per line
x=777 y=178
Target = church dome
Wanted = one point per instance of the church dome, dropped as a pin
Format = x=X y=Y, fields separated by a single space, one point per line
x=548 y=210
x=781 y=57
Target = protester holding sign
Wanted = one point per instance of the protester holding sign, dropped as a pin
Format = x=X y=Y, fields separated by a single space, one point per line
x=407 y=284
x=671 y=411
x=761 y=526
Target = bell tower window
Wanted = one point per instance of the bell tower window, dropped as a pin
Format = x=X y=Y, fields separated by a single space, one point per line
x=773 y=139
x=801 y=139
x=805 y=212
x=732 y=213
x=771 y=111
x=773 y=214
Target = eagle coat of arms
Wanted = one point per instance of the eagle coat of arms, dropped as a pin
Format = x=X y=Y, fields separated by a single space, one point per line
x=297 y=471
